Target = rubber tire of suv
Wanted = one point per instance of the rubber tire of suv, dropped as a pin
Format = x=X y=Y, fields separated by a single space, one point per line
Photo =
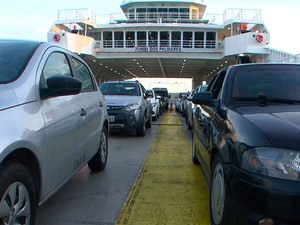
x=15 y=174
x=149 y=122
x=141 y=131
x=98 y=162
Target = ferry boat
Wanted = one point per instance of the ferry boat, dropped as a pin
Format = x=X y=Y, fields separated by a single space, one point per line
x=163 y=39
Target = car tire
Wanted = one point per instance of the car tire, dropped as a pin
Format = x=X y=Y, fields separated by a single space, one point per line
x=98 y=162
x=189 y=126
x=18 y=202
x=194 y=158
x=154 y=118
x=218 y=200
x=141 y=131
x=149 y=122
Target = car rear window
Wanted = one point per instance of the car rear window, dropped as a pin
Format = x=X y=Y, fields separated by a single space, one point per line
x=14 y=56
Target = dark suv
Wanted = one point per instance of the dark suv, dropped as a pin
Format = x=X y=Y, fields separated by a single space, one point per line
x=127 y=106
x=163 y=92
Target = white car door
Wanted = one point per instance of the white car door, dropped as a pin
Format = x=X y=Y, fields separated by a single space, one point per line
x=93 y=119
x=63 y=117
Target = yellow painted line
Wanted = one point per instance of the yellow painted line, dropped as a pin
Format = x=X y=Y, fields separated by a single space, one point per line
x=170 y=189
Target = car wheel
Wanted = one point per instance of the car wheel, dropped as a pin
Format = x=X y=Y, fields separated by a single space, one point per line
x=141 y=131
x=149 y=122
x=154 y=118
x=189 y=126
x=98 y=162
x=218 y=199
x=194 y=158
x=18 y=202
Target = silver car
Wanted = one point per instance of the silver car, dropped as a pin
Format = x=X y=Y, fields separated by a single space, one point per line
x=53 y=121
x=128 y=106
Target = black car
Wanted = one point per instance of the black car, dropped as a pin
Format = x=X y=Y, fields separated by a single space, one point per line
x=246 y=137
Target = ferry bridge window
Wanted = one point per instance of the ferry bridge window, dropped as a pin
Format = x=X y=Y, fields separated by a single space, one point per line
x=210 y=39
x=164 y=38
x=187 y=39
x=130 y=39
x=163 y=13
x=184 y=13
x=152 y=38
x=152 y=13
x=141 y=13
x=107 y=39
x=173 y=13
x=131 y=14
x=199 y=40
x=141 y=38
x=119 y=39
x=176 y=39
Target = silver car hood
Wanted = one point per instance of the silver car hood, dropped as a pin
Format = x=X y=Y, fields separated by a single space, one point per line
x=8 y=99
x=121 y=100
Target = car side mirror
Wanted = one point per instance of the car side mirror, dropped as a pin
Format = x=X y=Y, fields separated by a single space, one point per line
x=60 y=86
x=204 y=98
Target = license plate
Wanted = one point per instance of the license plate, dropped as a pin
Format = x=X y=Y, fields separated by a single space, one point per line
x=111 y=119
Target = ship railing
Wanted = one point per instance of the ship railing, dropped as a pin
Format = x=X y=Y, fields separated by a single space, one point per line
x=242 y=14
x=158 y=17
x=76 y=14
x=154 y=17
x=118 y=44
x=196 y=1
x=280 y=56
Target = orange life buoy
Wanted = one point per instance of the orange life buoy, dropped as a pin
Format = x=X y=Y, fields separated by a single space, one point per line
x=259 y=38
x=56 y=37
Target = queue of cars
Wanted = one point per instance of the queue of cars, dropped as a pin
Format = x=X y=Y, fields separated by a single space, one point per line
x=54 y=120
x=131 y=107
x=185 y=106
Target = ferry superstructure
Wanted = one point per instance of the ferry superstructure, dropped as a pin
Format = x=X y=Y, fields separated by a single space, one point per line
x=170 y=39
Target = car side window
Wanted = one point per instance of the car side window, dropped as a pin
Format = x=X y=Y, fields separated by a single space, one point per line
x=57 y=64
x=85 y=76
x=217 y=85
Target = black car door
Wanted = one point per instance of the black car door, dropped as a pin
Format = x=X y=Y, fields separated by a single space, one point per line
x=207 y=117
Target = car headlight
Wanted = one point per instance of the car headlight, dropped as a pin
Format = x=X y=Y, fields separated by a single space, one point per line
x=132 y=107
x=273 y=162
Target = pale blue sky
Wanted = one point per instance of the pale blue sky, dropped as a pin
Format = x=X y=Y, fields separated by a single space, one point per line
x=31 y=19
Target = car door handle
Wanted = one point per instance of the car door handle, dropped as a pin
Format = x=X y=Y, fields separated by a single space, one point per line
x=82 y=112
x=100 y=104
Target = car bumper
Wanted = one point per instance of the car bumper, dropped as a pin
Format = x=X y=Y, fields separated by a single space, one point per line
x=154 y=111
x=254 y=197
x=125 y=120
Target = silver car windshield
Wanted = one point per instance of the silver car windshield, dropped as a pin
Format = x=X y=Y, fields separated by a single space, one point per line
x=14 y=56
